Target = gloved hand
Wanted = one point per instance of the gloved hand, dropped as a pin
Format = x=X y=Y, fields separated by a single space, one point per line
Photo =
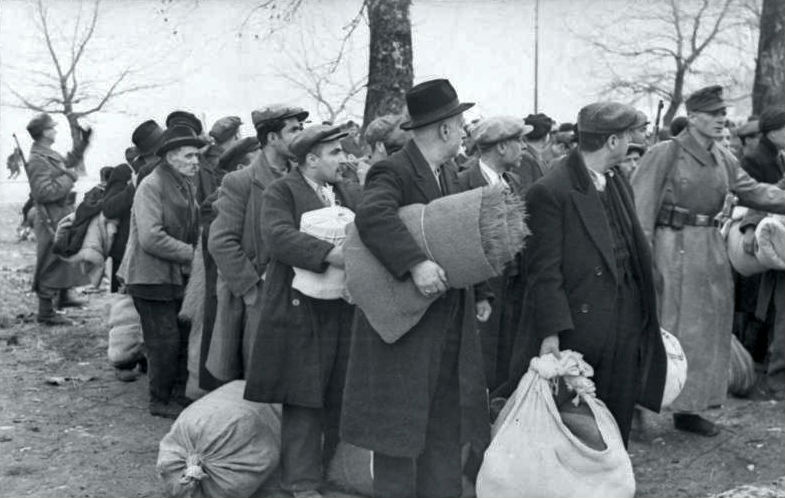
x=87 y=133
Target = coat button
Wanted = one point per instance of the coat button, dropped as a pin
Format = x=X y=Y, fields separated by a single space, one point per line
x=598 y=271
x=295 y=302
x=585 y=308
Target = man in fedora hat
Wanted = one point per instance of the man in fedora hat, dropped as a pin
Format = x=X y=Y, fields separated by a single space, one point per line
x=146 y=138
x=157 y=262
x=52 y=179
x=415 y=401
x=589 y=283
x=302 y=342
x=237 y=245
x=680 y=186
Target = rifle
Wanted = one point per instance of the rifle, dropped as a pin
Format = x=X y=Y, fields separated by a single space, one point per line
x=21 y=154
x=660 y=105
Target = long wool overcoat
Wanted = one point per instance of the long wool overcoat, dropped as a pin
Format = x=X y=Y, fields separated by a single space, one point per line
x=288 y=360
x=696 y=295
x=389 y=386
x=572 y=280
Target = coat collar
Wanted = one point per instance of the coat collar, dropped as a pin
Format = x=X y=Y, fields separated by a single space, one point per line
x=426 y=181
x=474 y=174
x=590 y=210
x=262 y=174
x=45 y=150
x=301 y=186
x=691 y=145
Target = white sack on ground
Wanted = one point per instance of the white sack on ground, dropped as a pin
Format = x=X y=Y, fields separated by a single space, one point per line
x=741 y=370
x=770 y=235
x=193 y=310
x=125 y=332
x=221 y=446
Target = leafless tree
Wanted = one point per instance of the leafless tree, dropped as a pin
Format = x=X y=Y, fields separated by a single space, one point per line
x=769 y=86
x=59 y=87
x=664 y=42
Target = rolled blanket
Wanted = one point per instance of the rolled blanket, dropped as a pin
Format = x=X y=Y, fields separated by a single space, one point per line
x=471 y=235
x=770 y=235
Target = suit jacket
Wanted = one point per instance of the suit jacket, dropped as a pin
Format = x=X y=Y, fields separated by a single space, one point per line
x=286 y=361
x=389 y=386
x=532 y=168
x=571 y=287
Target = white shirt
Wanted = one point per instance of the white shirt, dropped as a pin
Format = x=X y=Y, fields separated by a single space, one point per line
x=324 y=192
x=597 y=179
x=491 y=176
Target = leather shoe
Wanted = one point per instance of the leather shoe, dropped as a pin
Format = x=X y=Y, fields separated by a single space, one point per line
x=696 y=424
x=126 y=374
x=54 y=320
x=166 y=410
x=68 y=300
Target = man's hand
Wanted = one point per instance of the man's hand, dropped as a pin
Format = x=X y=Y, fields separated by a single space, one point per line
x=429 y=278
x=748 y=242
x=335 y=257
x=483 y=310
x=249 y=298
x=550 y=345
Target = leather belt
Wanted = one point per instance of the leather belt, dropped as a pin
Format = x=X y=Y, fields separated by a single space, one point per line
x=678 y=217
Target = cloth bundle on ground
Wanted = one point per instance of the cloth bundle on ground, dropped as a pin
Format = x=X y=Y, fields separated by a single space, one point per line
x=125 y=332
x=221 y=446
x=69 y=237
x=770 y=238
x=328 y=224
x=533 y=451
x=471 y=235
x=193 y=311
x=741 y=370
x=96 y=241
x=676 y=372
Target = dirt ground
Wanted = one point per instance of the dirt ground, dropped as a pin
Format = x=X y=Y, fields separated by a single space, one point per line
x=95 y=438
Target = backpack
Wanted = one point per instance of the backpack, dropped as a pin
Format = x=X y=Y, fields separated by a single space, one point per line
x=69 y=238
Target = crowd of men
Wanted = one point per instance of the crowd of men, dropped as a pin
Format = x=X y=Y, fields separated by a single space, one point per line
x=623 y=242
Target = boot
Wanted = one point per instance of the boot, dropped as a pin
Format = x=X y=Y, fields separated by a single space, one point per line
x=69 y=300
x=690 y=422
x=165 y=409
x=48 y=316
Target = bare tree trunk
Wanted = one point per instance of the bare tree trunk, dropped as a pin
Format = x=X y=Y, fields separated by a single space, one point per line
x=769 y=86
x=390 y=71
x=676 y=99
x=76 y=138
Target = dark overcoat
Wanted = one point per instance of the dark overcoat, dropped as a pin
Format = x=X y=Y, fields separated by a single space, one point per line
x=389 y=386
x=290 y=351
x=572 y=276
x=498 y=333
x=52 y=179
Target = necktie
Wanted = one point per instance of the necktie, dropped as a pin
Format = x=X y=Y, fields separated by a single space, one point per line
x=327 y=194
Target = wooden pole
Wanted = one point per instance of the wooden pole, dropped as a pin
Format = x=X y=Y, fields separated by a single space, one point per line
x=536 y=54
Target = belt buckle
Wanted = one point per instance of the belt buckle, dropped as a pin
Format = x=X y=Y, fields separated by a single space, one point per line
x=702 y=220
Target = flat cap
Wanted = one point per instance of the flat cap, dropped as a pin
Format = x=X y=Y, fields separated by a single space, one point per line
x=225 y=128
x=380 y=128
x=639 y=148
x=748 y=129
x=184 y=118
x=566 y=127
x=235 y=154
x=147 y=136
x=39 y=123
x=131 y=153
x=318 y=134
x=540 y=124
x=772 y=118
x=640 y=119
x=606 y=118
x=277 y=112
x=496 y=129
x=707 y=99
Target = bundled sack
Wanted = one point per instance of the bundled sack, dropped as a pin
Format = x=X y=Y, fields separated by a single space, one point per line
x=125 y=332
x=744 y=263
x=770 y=235
x=193 y=311
x=534 y=453
x=328 y=224
x=676 y=372
x=96 y=244
x=221 y=446
x=741 y=370
x=472 y=235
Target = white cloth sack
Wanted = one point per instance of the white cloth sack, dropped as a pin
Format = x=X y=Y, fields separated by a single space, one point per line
x=125 y=332
x=328 y=224
x=770 y=235
x=676 y=373
x=221 y=446
x=193 y=310
x=534 y=455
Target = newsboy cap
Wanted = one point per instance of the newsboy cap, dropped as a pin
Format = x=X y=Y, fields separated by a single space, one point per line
x=606 y=118
x=39 y=123
x=225 y=128
x=497 y=129
x=276 y=112
x=707 y=99
x=748 y=129
x=319 y=134
x=540 y=124
x=184 y=118
x=381 y=128
x=147 y=136
x=772 y=118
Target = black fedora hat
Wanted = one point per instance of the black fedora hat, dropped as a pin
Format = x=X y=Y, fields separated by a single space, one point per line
x=147 y=136
x=432 y=101
x=184 y=118
x=179 y=136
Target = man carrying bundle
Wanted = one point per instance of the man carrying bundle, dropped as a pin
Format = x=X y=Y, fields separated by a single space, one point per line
x=301 y=348
x=413 y=402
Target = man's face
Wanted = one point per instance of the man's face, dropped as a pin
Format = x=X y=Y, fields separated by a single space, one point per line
x=630 y=163
x=185 y=160
x=327 y=163
x=291 y=128
x=619 y=151
x=724 y=138
x=513 y=153
x=750 y=144
x=708 y=124
x=455 y=134
x=777 y=137
x=638 y=135
x=50 y=133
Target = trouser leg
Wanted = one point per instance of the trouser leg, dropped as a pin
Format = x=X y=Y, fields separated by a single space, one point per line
x=775 y=370
x=301 y=448
x=163 y=340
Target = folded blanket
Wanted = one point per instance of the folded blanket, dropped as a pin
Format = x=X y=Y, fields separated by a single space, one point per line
x=770 y=235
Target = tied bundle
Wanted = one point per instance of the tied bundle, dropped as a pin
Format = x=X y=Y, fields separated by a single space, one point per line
x=472 y=235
